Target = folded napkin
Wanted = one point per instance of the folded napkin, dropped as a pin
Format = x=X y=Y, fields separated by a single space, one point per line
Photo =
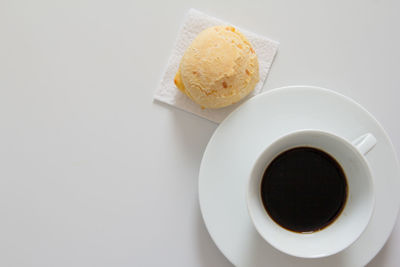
x=194 y=23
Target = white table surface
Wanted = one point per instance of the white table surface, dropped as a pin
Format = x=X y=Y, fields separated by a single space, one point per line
x=94 y=173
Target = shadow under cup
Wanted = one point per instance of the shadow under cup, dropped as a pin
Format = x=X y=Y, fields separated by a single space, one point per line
x=353 y=219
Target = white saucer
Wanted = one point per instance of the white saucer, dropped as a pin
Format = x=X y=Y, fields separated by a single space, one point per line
x=247 y=131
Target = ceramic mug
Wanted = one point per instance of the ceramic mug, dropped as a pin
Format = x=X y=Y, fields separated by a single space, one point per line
x=356 y=214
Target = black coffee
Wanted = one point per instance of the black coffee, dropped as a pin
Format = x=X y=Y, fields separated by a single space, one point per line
x=304 y=189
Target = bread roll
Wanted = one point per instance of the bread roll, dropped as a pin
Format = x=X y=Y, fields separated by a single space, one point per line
x=219 y=68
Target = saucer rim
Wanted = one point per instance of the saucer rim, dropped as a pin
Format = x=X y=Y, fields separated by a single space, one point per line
x=326 y=91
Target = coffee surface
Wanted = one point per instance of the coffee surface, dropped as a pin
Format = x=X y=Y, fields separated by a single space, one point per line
x=304 y=189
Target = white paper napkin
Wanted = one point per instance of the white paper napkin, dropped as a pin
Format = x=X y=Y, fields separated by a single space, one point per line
x=194 y=23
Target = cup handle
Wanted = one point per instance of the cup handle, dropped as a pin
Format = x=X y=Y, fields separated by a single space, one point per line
x=365 y=143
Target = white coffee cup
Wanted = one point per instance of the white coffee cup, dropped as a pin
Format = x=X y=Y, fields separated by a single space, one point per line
x=354 y=218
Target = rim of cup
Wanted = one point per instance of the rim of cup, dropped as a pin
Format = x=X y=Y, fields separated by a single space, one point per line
x=285 y=240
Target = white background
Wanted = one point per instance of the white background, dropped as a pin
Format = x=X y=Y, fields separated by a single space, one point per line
x=94 y=173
